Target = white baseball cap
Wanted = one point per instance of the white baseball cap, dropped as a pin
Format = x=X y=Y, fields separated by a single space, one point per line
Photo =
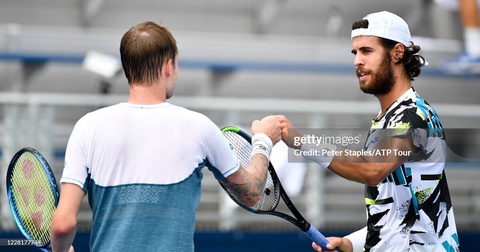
x=387 y=25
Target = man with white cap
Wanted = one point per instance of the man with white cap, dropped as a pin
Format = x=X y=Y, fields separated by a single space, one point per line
x=402 y=162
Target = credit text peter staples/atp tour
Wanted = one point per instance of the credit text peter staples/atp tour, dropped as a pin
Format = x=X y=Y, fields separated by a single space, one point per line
x=313 y=141
x=352 y=153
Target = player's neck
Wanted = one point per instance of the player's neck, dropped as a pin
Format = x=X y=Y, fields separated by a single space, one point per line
x=398 y=90
x=146 y=95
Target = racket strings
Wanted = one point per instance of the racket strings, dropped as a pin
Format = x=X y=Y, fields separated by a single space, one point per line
x=270 y=197
x=33 y=198
x=243 y=149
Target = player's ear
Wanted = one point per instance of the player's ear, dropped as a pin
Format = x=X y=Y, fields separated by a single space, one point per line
x=397 y=52
x=168 y=67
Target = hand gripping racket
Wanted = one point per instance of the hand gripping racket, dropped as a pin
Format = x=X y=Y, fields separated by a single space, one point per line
x=33 y=195
x=273 y=191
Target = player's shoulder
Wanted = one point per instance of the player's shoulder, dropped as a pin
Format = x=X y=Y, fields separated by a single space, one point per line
x=193 y=120
x=407 y=115
x=188 y=113
x=98 y=113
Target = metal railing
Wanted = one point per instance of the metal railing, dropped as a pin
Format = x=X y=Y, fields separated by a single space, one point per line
x=38 y=120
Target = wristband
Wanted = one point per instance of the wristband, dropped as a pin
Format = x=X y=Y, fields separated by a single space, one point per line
x=262 y=144
x=357 y=239
x=322 y=154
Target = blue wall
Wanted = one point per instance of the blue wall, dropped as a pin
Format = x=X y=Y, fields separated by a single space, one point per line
x=240 y=241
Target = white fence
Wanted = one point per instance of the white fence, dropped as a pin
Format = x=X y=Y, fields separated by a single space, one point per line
x=45 y=120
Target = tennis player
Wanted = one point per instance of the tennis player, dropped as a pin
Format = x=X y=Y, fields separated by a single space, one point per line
x=406 y=195
x=141 y=161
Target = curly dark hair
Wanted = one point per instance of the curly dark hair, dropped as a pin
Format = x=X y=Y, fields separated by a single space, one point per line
x=412 y=62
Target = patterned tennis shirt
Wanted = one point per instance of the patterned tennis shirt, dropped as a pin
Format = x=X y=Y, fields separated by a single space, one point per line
x=411 y=210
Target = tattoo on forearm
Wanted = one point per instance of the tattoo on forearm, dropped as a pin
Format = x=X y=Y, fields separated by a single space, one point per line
x=253 y=181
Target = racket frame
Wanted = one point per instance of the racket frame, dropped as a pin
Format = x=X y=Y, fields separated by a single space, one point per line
x=298 y=220
x=53 y=186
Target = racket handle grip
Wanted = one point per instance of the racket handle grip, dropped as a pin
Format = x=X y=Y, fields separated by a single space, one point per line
x=318 y=238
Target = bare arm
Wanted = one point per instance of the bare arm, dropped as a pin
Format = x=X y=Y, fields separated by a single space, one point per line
x=247 y=183
x=64 y=220
x=372 y=170
x=365 y=169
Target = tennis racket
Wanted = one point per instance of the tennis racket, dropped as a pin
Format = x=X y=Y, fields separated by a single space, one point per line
x=33 y=195
x=273 y=190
